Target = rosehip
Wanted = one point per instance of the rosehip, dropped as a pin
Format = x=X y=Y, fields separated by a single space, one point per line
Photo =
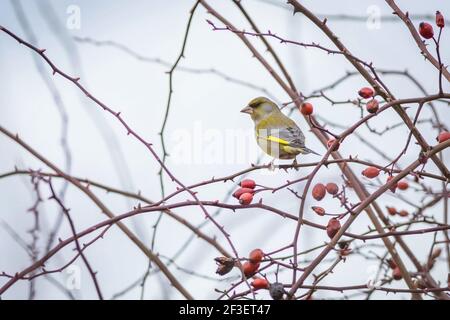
x=392 y=211
x=426 y=30
x=241 y=191
x=319 y=210
x=440 y=22
x=391 y=263
x=397 y=274
x=403 y=213
x=332 y=188
x=250 y=268
x=333 y=227
x=248 y=183
x=330 y=143
x=256 y=256
x=443 y=136
x=246 y=198
x=318 y=192
x=372 y=106
x=402 y=185
x=260 y=283
x=394 y=186
x=366 y=92
x=371 y=172
x=306 y=108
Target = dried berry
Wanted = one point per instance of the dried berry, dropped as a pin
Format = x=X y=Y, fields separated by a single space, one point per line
x=366 y=92
x=343 y=244
x=224 y=265
x=371 y=172
x=248 y=183
x=319 y=210
x=256 y=256
x=246 y=198
x=306 y=108
x=276 y=291
x=319 y=191
x=333 y=227
x=332 y=188
x=372 y=106
x=440 y=22
x=260 y=283
x=426 y=30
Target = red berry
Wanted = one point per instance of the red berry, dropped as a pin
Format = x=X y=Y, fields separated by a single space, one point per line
x=248 y=183
x=366 y=92
x=402 y=185
x=403 y=213
x=333 y=227
x=306 y=108
x=426 y=30
x=260 y=283
x=319 y=191
x=372 y=106
x=394 y=186
x=391 y=264
x=443 y=136
x=332 y=188
x=371 y=172
x=392 y=211
x=330 y=143
x=319 y=210
x=256 y=256
x=397 y=274
x=250 y=268
x=246 y=198
x=440 y=22
x=241 y=191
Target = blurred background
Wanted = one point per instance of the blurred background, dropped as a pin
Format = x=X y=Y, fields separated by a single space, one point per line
x=122 y=52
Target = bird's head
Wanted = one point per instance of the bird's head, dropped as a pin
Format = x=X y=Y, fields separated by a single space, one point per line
x=260 y=108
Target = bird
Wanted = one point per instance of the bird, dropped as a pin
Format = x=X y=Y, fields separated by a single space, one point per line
x=276 y=134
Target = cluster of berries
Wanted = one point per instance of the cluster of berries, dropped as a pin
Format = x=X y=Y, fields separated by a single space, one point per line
x=246 y=191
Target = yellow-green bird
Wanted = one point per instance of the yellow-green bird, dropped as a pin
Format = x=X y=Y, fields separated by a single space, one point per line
x=276 y=134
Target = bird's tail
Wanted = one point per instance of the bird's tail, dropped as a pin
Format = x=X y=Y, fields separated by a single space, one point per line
x=305 y=150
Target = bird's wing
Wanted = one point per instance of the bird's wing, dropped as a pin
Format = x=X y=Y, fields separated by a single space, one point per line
x=293 y=135
x=281 y=130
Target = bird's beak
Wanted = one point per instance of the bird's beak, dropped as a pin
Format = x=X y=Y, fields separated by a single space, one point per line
x=247 y=109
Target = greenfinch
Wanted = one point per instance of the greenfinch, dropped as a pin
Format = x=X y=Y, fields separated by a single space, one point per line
x=276 y=134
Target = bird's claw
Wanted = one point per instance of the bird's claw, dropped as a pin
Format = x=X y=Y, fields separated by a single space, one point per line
x=272 y=165
x=294 y=164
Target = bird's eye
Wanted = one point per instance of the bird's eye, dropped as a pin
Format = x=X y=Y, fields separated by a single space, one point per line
x=267 y=107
